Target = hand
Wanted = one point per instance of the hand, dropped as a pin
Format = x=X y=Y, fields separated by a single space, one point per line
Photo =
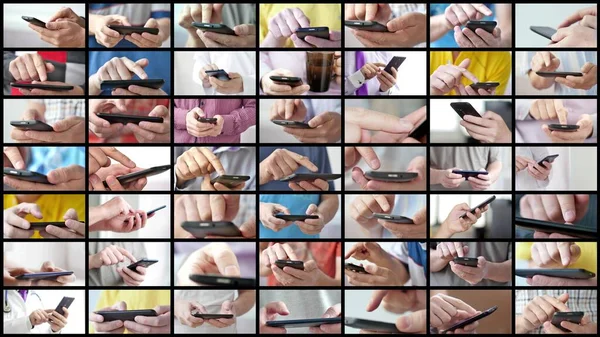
x=160 y=324
x=13 y=156
x=456 y=223
x=490 y=128
x=226 y=308
x=200 y=129
x=62 y=34
x=585 y=131
x=473 y=275
x=48 y=266
x=586 y=326
x=449 y=179
x=76 y=91
x=288 y=109
x=277 y=251
x=333 y=311
x=115 y=327
x=447 y=251
x=147 y=40
x=206 y=185
x=312 y=226
x=554 y=254
x=15 y=225
x=334 y=41
x=585 y=82
x=582 y=17
x=56 y=320
x=70 y=130
x=368 y=12
x=196 y=162
x=282 y=163
x=460 y=14
x=101 y=127
x=544 y=61
x=363 y=207
x=544 y=109
x=38 y=317
x=67 y=14
x=70 y=178
x=444 y=311
x=538 y=171
x=100 y=157
x=109 y=256
x=401 y=301
x=481 y=182
x=271 y=88
x=267 y=212
x=325 y=128
x=370 y=251
x=292 y=277
x=214 y=258
x=30 y=67
x=110 y=174
x=554 y=207
x=522 y=162
x=116 y=215
x=540 y=310
x=268 y=313
x=147 y=132
x=407 y=30
x=283 y=25
x=560 y=282
x=75 y=229
x=575 y=36
x=106 y=36
x=417 y=230
x=371 y=70
x=206 y=207
x=387 y=80
x=118 y=68
x=391 y=129
x=130 y=277
x=183 y=312
x=235 y=85
x=416 y=165
x=448 y=76
x=376 y=276
x=479 y=38
x=245 y=37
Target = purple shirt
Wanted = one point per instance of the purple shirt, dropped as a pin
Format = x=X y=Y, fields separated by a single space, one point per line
x=238 y=115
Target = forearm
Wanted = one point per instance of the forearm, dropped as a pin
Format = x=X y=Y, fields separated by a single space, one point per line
x=443 y=232
x=400 y=270
x=437 y=27
x=375 y=231
x=95 y=215
x=435 y=176
x=244 y=302
x=93 y=19
x=328 y=207
x=520 y=326
x=272 y=42
x=325 y=280
x=499 y=272
x=494 y=170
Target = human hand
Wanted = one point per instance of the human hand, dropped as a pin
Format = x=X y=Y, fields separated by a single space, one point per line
x=104 y=35
x=444 y=311
x=407 y=30
x=30 y=67
x=226 y=308
x=269 y=87
x=447 y=251
x=132 y=278
x=267 y=212
x=472 y=275
x=288 y=109
x=371 y=70
x=538 y=171
x=56 y=320
x=196 y=162
x=554 y=254
x=368 y=12
x=75 y=229
x=110 y=174
x=575 y=36
x=183 y=312
x=283 y=25
x=363 y=206
x=48 y=266
x=585 y=82
x=489 y=128
x=70 y=178
x=352 y=156
x=389 y=128
x=334 y=41
x=197 y=128
x=480 y=38
x=333 y=311
x=560 y=282
x=147 y=40
x=39 y=316
x=455 y=222
x=282 y=163
x=586 y=326
x=544 y=61
x=147 y=132
x=585 y=17
x=522 y=162
x=114 y=327
x=554 y=207
x=70 y=130
x=312 y=226
x=585 y=131
x=416 y=165
x=448 y=76
x=460 y=14
x=62 y=33
x=370 y=251
x=270 y=312
x=15 y=225
x=214 y=258
x=387 y=80
x=325 y=128
x=540 y=310
x=449 y=179
x=416 y=230
x=481 y=181
x=119 y=68
x=109 y=256
x=292 y=277
x=160 y=324
x=245 y=37
x=76 y=91
x=544 y=109
x=100 y=157
x=116 y=215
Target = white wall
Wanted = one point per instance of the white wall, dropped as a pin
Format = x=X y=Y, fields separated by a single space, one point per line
x=76 y=320
x=146 y=157
x=355 y=306
x=12 y=109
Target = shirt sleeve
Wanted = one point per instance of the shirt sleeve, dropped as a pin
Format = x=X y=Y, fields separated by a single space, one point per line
x=161 y=11
x=265 y=66
x=501 y=71
x=494 y=154
x=354 y=82
x=180 y=116
x=594 y=119
x=522 y=112
x=200 y=60
x=239 y=120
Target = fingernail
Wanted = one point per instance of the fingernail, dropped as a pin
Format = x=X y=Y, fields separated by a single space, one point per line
x=231 y=270
x=404 y=322
x=111 y=180
x=20 y=165
x=569 y=216
x=94 y=179
x=374 y=163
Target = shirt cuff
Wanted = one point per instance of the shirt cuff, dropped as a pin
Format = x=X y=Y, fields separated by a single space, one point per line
x=357 y=79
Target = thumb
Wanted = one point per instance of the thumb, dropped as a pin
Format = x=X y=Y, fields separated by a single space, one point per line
x=563 y=297
x=277 y=308
x=57 y=25
x=66 y=174
x=575 y=252
x=151 y=23
x=49 y=67
x=311 y=209
x=559 y=35
x=66 y=124
x=244 y=29
x=377 y=121
x=414 y=322
x=142 y=62
x=47 y=266
x=120 y=306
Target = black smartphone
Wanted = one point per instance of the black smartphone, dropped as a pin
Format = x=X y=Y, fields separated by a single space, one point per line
x=42 y=224
x=485 y=85
x=571 y=273
x=291 y=124
x=290 y=263
x=466 y=261
x=214 y=27
x=211 y=316
x=420 y=131
x=207 y=120
x=26 y=175
x=64 y=303
x=552 y=227
x=50 y=87
x=124 y=119
x=303 y=323
x=311 y=177
x=470 y=320
x=469 y=173
x=546 y=32
x=396 y=177
x=549 y=158
x=395 y=62
x=219 y=74
x=154 y=83
x=230 y=180
x=202 y=229
x=292 y=81
x=488 y=26
x=51 y=275
x=394 y=218
x=482 y=205
x=34 y=21
x=568 y=316
x=558 y=73
x=151 y=212
x=295 y=217
x=464 y=108
x=127 y=178
x=355 y=268
x=128 y=30
x=372 y=26
x=320 y=32
x=223 y=281
x=125 y=315
x=32 y=125
x=143 y=262
x=563 y=127
x=367 y=324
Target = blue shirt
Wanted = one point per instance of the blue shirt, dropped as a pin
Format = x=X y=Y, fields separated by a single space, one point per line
x=159 y=64
x=447 y=41
x=297 y=204
x=43 y=159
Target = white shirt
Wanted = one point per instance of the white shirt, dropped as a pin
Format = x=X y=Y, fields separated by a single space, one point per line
x=355 y=79
x=17 y=319
x=243 y=63
x=212 y=301
x=526 y=181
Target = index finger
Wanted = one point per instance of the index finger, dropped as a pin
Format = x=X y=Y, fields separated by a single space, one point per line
x=567 y=206
x=118 y=156
x=376 y=299
x=135 y=68
x=370 y=156
x=459 y=304
x=303 y=160
x=214 y=161
x=127 y=254
x=561 y=111
x=14 y=156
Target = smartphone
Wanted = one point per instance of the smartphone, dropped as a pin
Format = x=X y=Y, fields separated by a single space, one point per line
x=154 y=83
x=202 y=229
x=211 y=316
x=395 y=62
x=470 y=320
x=219 y=74
x=355 y=268
x=464 y=108
x=214 y=27
x=224 y=281
x=469 y=173
x=125 y=315
x=128 y=30
x=552 y=227
x=320 y=32
x=50 y=87
x=558 y=73
x=394 y=218
x=466 y=261
x=546 y=32
x=52 y=275
x=126 y=178
x=42 y=225
x=420 y=131
x=31 y=176
x=34 y=21
x=488 y=26
x=295 y=217
x=367 y=324
x=64 y=303
x=563 y=127
x=372 y=26
x=286 y=80
x=151 y=212
x=207 y=120
x=32 y=125
x=144 y=262
x=230 y=180
x=578 y=274
x=482 y=205
x=549 y=158
x=290 y=263
x=291 y=124
x=303 y=323
x=311 y=177
x=484 y=85
x=569 y=316
x=125 y=119
x=396 y=177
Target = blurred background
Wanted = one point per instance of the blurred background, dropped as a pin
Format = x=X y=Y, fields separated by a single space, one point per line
x=245 y=252
x=150 y=156
x=387 y=246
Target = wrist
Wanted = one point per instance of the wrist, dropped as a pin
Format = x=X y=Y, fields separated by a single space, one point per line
x=444 y=232
x=520 y=326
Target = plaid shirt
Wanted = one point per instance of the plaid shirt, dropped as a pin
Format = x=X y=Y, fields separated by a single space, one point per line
x=59 y=109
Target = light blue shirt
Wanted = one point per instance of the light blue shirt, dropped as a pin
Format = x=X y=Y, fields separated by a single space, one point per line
x=43 y=159
x=297 y=204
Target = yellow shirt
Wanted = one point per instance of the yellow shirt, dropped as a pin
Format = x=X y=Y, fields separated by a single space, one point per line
x=135 y=299
x=321 y=15
x=487 y=66
x=587 y=260
x=53 y=207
